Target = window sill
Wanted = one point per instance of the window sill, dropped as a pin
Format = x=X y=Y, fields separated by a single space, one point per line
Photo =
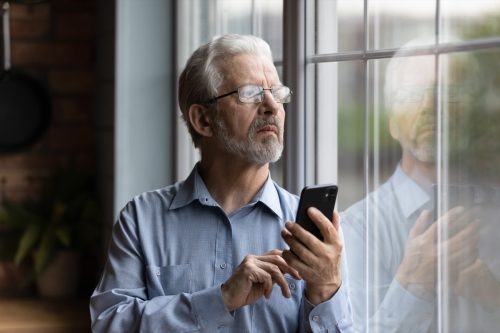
x=27 y=315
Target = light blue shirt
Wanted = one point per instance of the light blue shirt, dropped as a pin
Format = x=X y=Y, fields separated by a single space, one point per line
x=171 y=249
x=376 y=230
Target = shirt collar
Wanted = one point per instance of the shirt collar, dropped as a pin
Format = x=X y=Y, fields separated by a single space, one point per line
x=409 y=194
x=194 y=188
x=268 y=195
x=186 y=192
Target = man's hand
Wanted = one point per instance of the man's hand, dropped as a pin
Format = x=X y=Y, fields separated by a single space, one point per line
x=254 y=278
x=454 y=237
x=317 y=262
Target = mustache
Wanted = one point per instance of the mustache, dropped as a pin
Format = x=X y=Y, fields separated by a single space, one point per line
x=261 y=122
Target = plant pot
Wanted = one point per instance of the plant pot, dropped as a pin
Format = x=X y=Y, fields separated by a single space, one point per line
x=60 y=279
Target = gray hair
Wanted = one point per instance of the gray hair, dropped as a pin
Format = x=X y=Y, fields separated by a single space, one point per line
x=203 y=73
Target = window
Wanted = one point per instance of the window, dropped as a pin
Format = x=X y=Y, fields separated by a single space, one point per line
x=397 y=102
x=208 y=19
x=403 y=113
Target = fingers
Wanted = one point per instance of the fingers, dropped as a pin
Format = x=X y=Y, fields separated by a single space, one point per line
x=329 y=230
x=275 y=257
x=447 y=219
x=336 y=220
x=318 y=262
x=254 y=278
x=421 y=224
x=273 y=268
x=296 y=238
x=463 y=247
x=296 y=261
x=306 y=251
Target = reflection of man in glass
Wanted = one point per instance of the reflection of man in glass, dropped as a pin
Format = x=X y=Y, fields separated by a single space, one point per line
x=398 y=257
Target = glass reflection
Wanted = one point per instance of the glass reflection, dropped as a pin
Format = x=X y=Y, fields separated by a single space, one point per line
x=421 y=248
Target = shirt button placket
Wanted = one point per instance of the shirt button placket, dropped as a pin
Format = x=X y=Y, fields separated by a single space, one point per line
x=223 y=255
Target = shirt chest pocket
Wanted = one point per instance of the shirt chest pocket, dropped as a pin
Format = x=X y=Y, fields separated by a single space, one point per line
x=169 y=280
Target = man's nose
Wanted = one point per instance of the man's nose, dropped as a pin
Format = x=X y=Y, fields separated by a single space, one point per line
x=269 y=105
x=428 y=99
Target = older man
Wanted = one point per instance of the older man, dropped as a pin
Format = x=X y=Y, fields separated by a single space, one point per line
x=215 y=252
x=413 y=266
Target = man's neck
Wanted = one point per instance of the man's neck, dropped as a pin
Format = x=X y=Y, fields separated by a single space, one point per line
x=232 y=183
x=423 y=173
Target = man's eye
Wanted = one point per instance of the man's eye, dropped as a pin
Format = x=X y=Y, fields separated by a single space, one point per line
x=249 y=92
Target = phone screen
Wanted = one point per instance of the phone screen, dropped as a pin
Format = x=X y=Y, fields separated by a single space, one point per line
x=323 y=198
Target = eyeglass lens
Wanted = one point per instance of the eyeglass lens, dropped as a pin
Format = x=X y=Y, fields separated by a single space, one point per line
x=255 y=94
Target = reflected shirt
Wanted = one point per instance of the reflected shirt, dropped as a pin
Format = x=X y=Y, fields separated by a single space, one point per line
x=171 y=250
x=375 y=231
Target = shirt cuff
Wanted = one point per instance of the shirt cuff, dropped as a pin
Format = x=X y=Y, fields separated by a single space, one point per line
x=402 y=307
x=210 y=308
x=336 y=312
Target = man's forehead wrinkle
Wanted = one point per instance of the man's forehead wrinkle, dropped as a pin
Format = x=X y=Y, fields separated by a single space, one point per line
x=250 y=69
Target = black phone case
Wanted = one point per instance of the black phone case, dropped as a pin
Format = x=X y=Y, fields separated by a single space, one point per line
x=322 y=197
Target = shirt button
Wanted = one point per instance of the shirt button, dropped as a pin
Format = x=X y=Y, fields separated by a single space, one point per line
x=158 y=273
x=223 y=265
x=292 y=286
x=315 y=318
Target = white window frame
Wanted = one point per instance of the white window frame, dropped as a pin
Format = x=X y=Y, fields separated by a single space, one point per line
x=308 y=144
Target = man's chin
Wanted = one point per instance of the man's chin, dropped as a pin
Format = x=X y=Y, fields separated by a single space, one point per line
x=427 y=154
x=263 y=156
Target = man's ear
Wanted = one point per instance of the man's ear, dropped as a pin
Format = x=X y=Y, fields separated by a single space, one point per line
x=393 y=129
x=200 y=120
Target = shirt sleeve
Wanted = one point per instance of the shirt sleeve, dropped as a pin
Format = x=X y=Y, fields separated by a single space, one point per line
x=334 y=315
x=121 y=302
x=401 y=311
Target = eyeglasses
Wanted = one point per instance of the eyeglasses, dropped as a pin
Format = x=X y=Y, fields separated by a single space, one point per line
x=252 y=94
x=449 y=94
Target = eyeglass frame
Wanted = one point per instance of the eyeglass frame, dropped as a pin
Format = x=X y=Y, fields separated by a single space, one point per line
x=261 y=93
x=416 y=94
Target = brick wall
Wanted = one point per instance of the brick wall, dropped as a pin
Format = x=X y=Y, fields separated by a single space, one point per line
x=56 y=43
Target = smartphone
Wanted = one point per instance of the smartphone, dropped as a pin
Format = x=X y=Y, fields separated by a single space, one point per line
x=323 y=198
x=453 y=195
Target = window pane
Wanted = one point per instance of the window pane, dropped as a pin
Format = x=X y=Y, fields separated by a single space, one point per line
x=377 y=226
x=268 y=24
x=470 y=117
x=393 y=22
x=415 y=261
x=470 y=19
x=339 y=25
x=351 y=132
x=233 y=16
x=276 y=168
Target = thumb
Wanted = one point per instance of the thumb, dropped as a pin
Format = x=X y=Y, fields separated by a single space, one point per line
x=336 y=220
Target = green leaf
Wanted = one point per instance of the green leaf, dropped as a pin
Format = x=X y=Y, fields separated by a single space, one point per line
x=27 y=242
x=45 y=251
x=64 y=235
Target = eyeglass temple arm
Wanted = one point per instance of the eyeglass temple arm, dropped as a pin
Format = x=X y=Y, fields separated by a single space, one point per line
x=212 y=100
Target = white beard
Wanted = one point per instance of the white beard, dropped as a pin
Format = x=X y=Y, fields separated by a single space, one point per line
x=268 y=151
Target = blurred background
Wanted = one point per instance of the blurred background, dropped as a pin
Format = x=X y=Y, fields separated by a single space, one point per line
x=89 y=118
